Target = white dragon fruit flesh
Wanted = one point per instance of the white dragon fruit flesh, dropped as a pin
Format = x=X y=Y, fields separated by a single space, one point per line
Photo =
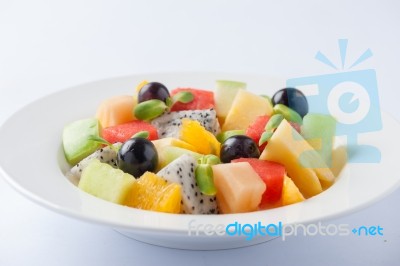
x=106 y=154
x=169 y=124
x=182 y=171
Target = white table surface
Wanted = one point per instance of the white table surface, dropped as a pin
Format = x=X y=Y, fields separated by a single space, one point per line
x=47 y=46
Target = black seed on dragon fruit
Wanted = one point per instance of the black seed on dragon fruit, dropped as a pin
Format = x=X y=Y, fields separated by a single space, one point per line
x=107 y=155
x=193 y=201
x=169 y=124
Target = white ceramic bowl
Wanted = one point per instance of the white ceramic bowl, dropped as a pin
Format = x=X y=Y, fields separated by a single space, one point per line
x=32 y=162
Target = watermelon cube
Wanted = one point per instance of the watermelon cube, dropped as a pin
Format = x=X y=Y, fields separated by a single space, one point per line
x=123 y=132
x=203 y=100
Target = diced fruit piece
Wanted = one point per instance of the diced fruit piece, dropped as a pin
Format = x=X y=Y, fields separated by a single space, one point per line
x=303 y=164
x=272 y=174
x=169 y=124
x=225 y=92
x=202 y=100
x=115 y=111
x=137 y=156
x=170 y=153
x=204 y=141
x=151 y=192
x=153 y=90
x=76 y=142
x=290 y=193
x=255 y=130
x=161 y=143
x=239 y=146
x=105 y=182
x=292 y=98
x=239 y=188
x=244 y=110
x=123 y=132
x=182 y=171
x=319 y=130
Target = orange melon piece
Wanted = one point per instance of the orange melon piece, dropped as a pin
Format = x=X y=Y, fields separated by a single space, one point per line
x=116 y=110
x=239 y=187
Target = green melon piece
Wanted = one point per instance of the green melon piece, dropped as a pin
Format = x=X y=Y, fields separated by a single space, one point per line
x=75 y=138
x=105 y=182
x=319 y=130
x=170 y=153
x=225 y=92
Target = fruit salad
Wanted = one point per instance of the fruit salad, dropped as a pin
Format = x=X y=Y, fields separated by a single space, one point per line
x=196 y=151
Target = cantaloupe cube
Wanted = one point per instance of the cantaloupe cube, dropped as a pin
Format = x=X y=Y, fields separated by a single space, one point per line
x=303 y=164
x=116 y=110
x=239 y=188
x=246 y=107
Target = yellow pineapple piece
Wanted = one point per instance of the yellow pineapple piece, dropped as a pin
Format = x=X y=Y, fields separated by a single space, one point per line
x=151 y=192
x=290 y=192
x=303 y=164
x=162 y=143
x=196 y=135
x=245 y=108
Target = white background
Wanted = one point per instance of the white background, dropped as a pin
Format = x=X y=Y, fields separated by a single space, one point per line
x=46 y=46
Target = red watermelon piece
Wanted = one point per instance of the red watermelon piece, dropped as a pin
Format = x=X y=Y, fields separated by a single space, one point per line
x=255 y=130
x=272 y=174
x=203 y=99
x=123 y=132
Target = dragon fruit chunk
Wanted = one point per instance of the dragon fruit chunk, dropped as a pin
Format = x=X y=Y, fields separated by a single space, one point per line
x=106 y=154
x=169 y=124
x=182 y=171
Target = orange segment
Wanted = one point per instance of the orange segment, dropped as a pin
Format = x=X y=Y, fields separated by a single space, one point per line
x=151 y=192
x=195 y=134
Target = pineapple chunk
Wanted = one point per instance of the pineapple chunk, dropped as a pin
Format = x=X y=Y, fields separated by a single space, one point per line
x=105 y=182
x=244 y=110
x=290 y=192
x=303 y=164
x=151 y=192
x=162 y=143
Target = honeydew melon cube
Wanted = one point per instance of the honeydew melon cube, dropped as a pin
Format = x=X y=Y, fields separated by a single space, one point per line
x=76 y=142
x=319 y=130
x=225 y=92
x=105 y=182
